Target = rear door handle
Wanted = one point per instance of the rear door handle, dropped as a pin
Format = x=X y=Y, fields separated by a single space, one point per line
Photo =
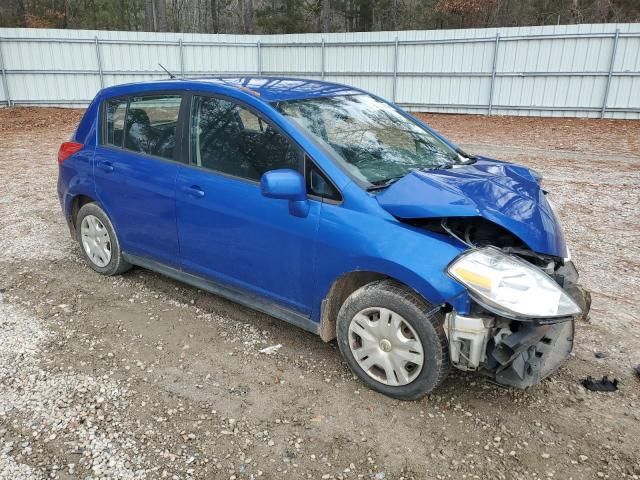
x=106 y=166
x=194 y=191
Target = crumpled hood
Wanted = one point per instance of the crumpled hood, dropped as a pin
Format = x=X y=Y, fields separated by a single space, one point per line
x=503 y=193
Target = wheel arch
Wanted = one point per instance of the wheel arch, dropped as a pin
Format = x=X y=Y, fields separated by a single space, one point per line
x=343 y=286
x=76 y=203
x=339 y=291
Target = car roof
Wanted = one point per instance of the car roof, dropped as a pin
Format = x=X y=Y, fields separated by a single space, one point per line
x=269 y=89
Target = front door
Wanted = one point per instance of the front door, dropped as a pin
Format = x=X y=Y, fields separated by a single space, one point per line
x=135 y=174
x=228 y=231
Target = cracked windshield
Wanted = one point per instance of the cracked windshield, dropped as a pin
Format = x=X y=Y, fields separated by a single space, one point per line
x=374 y=142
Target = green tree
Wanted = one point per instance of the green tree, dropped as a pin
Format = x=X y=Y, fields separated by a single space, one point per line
x=283 y=16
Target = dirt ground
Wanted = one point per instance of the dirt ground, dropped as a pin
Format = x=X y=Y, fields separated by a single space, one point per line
x=142 y=377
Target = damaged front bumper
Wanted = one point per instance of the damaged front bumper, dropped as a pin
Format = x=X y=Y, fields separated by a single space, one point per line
x=516 y=353
x=531 y=354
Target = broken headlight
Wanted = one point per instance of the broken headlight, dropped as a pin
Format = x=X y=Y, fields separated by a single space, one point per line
x=510 y=286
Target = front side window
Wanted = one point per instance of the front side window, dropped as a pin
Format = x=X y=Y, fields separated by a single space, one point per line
x=151 y=125
x=374 y=142
x=230 y=139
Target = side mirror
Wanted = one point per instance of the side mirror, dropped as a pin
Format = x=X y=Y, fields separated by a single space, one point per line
x=289 y=185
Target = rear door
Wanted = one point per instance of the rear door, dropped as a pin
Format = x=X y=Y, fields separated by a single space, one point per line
x=135 y=172
x=230 y=232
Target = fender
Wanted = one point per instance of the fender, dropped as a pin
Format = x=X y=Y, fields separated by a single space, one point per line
x=76 y=178
x=433 y=290
x=355 y=241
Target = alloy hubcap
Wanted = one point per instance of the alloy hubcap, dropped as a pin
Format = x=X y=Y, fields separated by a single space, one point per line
x=385 y=346
x=95 y=240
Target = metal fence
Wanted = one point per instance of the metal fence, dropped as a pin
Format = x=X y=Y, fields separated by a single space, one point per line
x=566 y=70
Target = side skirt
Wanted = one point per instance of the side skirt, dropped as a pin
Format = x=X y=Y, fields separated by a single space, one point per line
x=244 y=298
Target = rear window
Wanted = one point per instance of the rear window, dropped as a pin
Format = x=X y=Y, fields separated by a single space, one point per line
x=145 y=124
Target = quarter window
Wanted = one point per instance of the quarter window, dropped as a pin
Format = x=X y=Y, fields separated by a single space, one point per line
x=151 y=125
x=250 y=122
x=115 y=112
x=228 y=138
x=318 y=183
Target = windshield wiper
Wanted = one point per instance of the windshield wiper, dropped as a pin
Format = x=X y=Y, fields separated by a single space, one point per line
x=468 y=159
x=382 y=184
x=443 y=166
x=461 y=158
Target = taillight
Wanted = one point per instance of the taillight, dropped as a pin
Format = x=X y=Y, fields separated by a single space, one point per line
x=67 y=149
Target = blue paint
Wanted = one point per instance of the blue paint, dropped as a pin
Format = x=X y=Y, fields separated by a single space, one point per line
x=139 y=194
x=290 y=249
x=506 y=194
x=236 y=235
x=286 y=185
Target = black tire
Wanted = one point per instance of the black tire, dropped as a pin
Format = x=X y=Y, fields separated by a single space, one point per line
x=117 y=264
x=396 y=297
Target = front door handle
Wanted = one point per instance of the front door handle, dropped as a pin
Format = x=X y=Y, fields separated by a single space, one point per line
x=106 y=166
x=194 y=191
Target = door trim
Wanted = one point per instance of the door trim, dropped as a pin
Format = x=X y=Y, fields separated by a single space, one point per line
x=242 y=297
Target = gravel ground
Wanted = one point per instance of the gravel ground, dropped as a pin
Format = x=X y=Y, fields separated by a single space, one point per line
x=141 y=377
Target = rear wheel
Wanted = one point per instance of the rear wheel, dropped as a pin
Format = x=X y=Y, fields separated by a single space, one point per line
x=390 y=343
x=99 y=242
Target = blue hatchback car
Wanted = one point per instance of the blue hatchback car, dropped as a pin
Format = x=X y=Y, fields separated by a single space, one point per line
x=332 y=209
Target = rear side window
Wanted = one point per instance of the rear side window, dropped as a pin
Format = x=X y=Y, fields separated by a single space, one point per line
x=231 y=139
x=114 y=115
x=151 y=124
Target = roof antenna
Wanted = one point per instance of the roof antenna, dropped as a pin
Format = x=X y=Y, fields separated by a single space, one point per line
x=171 y=75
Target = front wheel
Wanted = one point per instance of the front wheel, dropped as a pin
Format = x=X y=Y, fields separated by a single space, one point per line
x=389 y=341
